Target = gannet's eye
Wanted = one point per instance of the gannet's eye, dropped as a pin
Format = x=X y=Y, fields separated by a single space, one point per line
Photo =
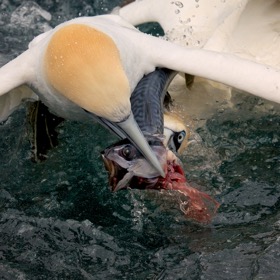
x=128 y=152
x=181 y=136
x=177 y=140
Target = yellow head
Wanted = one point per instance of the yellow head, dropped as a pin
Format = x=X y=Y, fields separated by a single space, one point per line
x=84 y=65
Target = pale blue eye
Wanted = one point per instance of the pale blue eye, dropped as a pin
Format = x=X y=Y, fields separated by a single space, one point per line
x=181 y=136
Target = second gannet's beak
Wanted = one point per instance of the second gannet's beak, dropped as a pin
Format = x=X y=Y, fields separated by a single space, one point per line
x=130 y=129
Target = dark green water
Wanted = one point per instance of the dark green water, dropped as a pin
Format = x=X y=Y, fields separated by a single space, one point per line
x=58 y=219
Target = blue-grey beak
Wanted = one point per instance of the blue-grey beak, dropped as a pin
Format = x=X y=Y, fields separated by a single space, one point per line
x=130 y=129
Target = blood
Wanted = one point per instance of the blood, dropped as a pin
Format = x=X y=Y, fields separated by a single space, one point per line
x=200 y=206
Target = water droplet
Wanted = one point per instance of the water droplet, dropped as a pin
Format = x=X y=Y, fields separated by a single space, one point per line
x=190 y=29
x=179 y=4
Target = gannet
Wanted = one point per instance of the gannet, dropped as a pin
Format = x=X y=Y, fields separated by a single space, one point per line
x=89 y=66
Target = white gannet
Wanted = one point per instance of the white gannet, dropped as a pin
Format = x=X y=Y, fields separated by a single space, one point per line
x=89 y=66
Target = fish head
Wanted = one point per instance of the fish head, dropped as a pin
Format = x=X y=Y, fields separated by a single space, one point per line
x=128 y=168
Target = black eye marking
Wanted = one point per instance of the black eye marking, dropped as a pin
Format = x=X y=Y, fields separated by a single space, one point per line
x=128 y=152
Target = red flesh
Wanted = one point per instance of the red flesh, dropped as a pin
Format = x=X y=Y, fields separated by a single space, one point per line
x=200 y=206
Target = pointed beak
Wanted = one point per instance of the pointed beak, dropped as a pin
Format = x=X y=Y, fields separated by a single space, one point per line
x=130 y=129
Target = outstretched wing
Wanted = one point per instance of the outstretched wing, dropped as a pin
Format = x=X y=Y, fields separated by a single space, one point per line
x=15 y=73
x=189 y=23
x=258 y=79
x=141 y=53
x=248 y=29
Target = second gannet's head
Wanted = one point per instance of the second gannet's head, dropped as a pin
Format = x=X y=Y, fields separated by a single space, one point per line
x=176 y=133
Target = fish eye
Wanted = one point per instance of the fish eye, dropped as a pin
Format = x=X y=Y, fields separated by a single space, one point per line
x=128 y=152
x=181 y=136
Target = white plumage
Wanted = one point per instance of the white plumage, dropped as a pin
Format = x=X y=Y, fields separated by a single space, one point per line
x=248 y=29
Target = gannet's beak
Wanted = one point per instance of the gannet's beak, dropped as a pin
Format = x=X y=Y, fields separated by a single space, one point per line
x=130 y=129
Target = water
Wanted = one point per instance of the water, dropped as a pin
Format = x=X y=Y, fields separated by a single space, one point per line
x=59 y=220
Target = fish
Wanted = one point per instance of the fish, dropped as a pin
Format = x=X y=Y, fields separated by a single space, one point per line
x=128 y=169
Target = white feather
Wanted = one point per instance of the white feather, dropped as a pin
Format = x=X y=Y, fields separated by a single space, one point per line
x=244 y=29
